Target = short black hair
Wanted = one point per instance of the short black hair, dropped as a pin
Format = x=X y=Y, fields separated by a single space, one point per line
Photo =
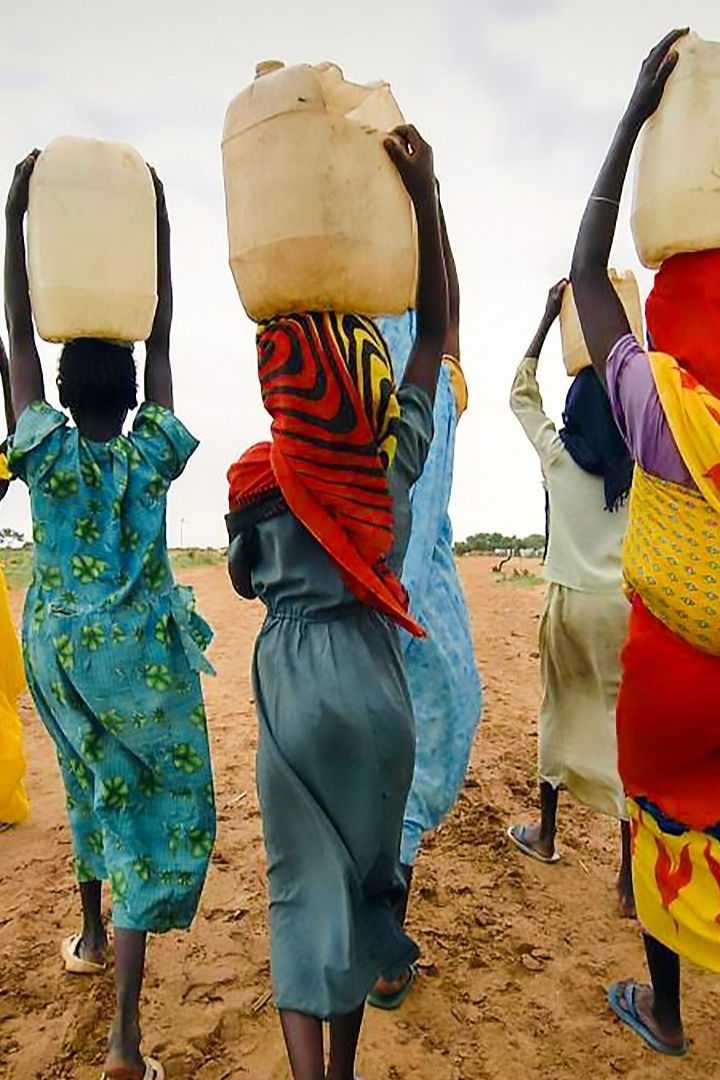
x=97 y=376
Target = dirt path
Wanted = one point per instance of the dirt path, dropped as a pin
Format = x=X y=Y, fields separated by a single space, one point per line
x=515 y=955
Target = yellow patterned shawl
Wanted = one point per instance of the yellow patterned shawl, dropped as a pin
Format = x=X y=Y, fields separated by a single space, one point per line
x=693 y=414
x=671 y=556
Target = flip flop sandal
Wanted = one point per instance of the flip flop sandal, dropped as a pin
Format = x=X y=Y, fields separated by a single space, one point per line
x=628 y=1014
x=389 y=1002
x=528 y=850
x=74 y=963
x=153 y=1070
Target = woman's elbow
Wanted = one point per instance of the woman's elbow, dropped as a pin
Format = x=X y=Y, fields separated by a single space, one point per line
x=239 y=570
x=586 y=271
x=241 y=581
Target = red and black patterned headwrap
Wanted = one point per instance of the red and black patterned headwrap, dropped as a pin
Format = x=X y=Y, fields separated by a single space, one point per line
x=326 y=380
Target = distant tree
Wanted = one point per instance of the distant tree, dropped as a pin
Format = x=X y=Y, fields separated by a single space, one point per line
x=496 y=541
x=534 y=540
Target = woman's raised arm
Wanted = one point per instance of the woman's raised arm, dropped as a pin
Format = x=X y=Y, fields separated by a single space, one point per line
x=158 y=372
x=413 y=159
x=602 y=316
x=26 y=378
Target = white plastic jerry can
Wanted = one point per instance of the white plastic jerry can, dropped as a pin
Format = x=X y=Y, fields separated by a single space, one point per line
x=575 y=351
x=92 y=242
x=318 y=218
x=676 y=200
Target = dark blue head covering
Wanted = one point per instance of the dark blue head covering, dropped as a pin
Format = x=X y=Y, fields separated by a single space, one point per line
x=592 y=439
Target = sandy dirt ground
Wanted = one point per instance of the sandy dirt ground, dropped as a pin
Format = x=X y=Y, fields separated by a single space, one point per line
x=516 y=955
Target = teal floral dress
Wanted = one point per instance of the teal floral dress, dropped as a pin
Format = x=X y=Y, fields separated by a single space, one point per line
x=113 y=651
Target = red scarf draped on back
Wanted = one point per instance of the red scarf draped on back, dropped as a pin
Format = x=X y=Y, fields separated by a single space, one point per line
x=683 y=314
x=326 y=380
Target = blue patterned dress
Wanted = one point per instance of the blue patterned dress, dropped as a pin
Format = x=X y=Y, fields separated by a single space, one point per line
x=113 y=649
x=441 y=670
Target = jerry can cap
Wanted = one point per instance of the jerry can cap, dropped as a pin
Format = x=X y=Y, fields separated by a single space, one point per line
x=264 y=67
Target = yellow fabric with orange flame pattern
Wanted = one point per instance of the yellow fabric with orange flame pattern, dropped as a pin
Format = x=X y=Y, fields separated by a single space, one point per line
x=677 y=887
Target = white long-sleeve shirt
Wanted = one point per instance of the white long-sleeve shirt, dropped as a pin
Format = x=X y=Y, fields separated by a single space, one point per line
x=585 y=538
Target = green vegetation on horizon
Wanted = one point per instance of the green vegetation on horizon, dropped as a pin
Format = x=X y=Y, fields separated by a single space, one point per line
x=495 y=541
x=17 y=562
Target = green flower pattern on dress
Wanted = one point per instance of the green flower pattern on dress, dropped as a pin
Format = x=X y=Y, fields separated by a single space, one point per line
x=158 y=677
x=157 y=488
x=92 y=637
x=143 y=867
x=87 y=568
x=149 y=784
x=201 y=843
x=58 y=692
x=198 y=717
x=130 y=539
x=91 y=474
x=116 y=793
x=38 y=615
x=50 y=578
x=118 y=885
x=62 y=485
x=83 y=870
x=110 y=665
x=87 y=530
x=96 y=841
x=65 y=650
x=155 y=574
x=112 y=721
x=186 y=760
x=92 y=747
x=81 y=773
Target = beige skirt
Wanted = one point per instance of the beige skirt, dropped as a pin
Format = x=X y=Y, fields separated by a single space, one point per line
x=581 y=635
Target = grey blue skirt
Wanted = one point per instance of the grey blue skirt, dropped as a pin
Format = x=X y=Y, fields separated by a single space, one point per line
x=335 y=762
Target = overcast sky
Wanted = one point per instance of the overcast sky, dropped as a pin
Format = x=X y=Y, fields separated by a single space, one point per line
x=518 y=97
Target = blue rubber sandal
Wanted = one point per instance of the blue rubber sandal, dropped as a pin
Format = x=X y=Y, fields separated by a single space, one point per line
x=389 y=1002
x=628 y=1014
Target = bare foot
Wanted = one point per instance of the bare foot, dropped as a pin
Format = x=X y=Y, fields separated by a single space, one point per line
x=626 y=897
x=124 y=1060
x=644 y=998
x=531 y=836
x=93 y=947
x=388 y=989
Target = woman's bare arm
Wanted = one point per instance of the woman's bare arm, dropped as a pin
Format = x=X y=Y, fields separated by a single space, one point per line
x=602 y=316
x=413 y=158
x=158 y=371
x=25 y=371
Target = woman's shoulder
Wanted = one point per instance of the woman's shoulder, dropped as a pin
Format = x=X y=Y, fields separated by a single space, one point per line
x=162 y=440
x=39 y=439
